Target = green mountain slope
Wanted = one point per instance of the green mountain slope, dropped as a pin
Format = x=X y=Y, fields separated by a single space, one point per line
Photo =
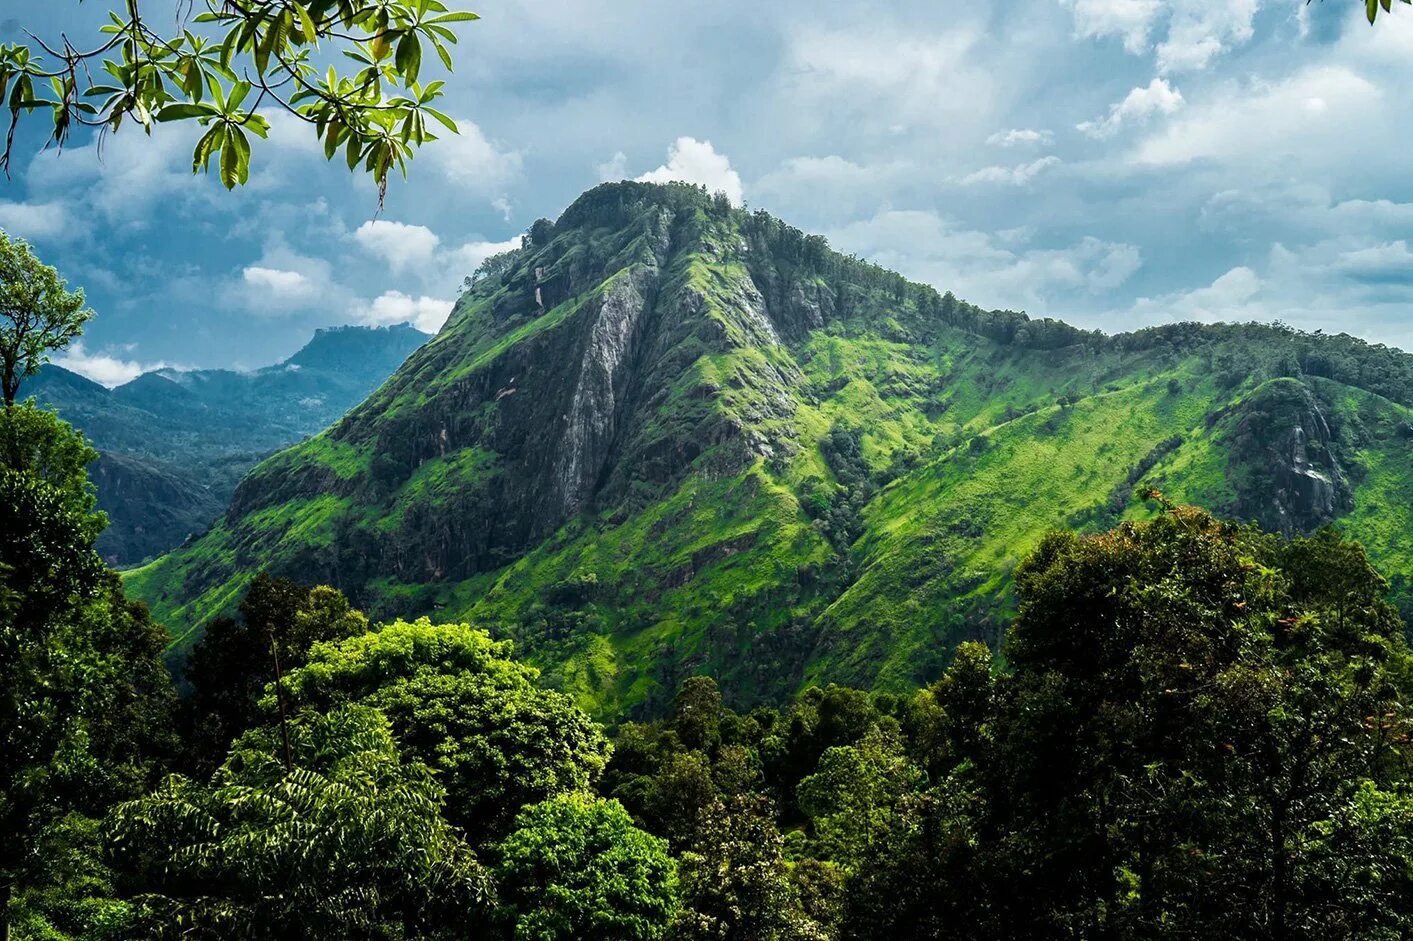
x=668 y=436
x=176 y=442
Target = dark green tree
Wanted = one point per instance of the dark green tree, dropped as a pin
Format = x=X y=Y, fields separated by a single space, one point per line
x=84 y=699
x=736 y=883
x=348 y=843
x=1201 y=720
x=237 y=658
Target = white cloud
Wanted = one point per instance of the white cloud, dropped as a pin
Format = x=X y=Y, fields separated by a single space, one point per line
x=425 y=313
x=1324 y=113
x=1019 y=136
x=1138 y=106
x=695 y=161
x=1200 y=30
x=1197 y=31
x=613 y=169
x=128 y=179
x=402 y=246
x=466 y=259
x=1229 y=298
x=991 y=271
x=103 y=368
x=278 y=285
x=1018 y=175
x=37 y=221
x=892 y=76
x=1129 y=20
x=473 y=162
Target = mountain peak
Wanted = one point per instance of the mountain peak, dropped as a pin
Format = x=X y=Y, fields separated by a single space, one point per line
x=669 y=435
x=334 y=348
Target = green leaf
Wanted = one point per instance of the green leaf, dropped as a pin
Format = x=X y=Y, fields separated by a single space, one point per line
x=306 y=22
x=184 y=112
x=409 y=57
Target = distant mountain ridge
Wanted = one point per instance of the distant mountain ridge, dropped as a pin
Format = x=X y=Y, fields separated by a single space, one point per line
x=176 y=442
x=670 y=436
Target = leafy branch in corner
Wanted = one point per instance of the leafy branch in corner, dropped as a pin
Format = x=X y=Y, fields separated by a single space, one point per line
x=234 y=62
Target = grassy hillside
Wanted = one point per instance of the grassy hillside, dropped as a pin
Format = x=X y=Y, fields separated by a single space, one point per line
x=670 y=437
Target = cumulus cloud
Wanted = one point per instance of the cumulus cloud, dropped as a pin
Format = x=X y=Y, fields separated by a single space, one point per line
x=988 y=269
x=1200 y=30
x=402 y=246
x=37 y=222
x=613 y=169
x=103 y=368
x=1140 y=104
x=466 y=259
x=276 y=284
x=696 y=161
x=1327 y=112
x=1230 y=297
x=1194 y=32
x=473 y=162
x=1018 y=175
x=1019 y=136
x=425 y=313
x=1129 y=20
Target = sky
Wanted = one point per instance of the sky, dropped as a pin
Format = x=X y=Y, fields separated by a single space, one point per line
x=1115 y=163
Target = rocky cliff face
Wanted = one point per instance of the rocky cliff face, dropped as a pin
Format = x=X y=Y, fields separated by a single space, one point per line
x=671 y=436
x=1283 y=461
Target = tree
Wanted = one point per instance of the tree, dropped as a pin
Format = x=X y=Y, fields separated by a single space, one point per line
x=38 y=312
x=84 y=698
x=1204 y=730
x=576 y=867
x=459 y=703
x=855 y=794
x=735 y=881
x=349 y=843
x=230 y=667
x=233 y=62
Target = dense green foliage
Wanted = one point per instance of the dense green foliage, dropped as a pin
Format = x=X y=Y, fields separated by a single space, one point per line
x=668 y=436
x=346 y=841
x=459 y=703
x=576 y=867
x=85 y=702
x=1200 y=730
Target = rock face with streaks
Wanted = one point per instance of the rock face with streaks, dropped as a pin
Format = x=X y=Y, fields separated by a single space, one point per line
x=572 y=381
x=1283 y=461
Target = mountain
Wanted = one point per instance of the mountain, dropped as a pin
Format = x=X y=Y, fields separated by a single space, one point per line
x=174 y=443
x=668 y=436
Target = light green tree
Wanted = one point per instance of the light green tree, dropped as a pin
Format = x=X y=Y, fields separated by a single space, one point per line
x=459 y=703
x=576 y=867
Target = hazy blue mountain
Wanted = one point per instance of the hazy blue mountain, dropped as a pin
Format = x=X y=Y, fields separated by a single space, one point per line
x=176 y=442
